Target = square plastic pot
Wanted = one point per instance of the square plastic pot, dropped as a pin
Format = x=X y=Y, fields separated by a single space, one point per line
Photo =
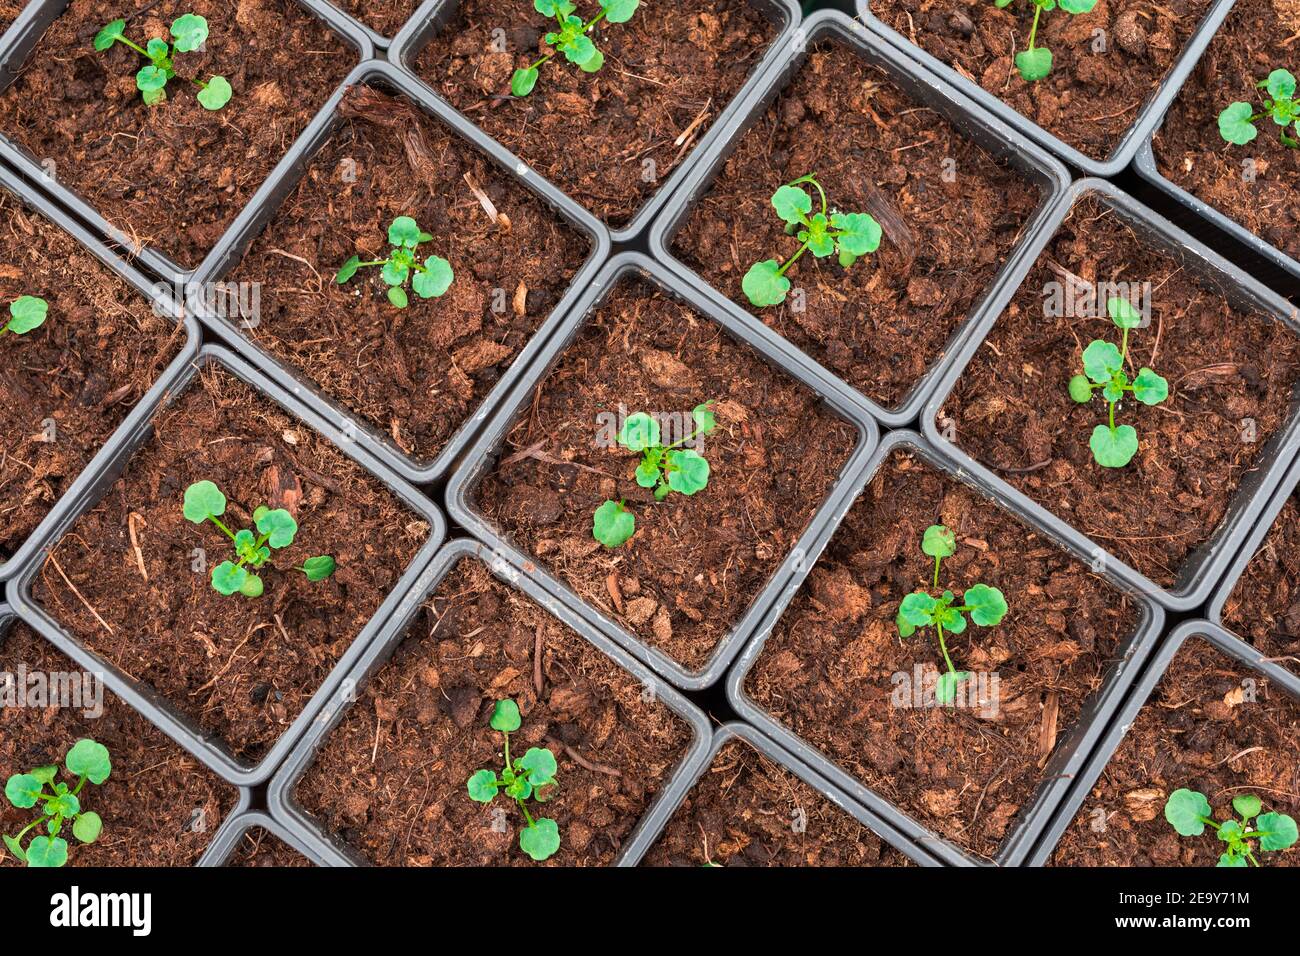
x=737 y=730
x=484 y=453
x=99 y=479
x=263 y=207
x=231 y=828
x=1044 y=173
x=327 y=850
x=19 y=41
x=162 y=305
x=378 y=41
x=1070 y=753
x=239 y=825
x=1148 y=116
x=1206 y=565
x=1082 y=785
x=784 y=14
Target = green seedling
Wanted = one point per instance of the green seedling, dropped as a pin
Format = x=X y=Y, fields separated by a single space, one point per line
x=572 y=38
x=26 y=312
x=664 y=468
x=532 y=776
x=275 y=529
x=851 y=234
x=985 y=605
x=189 y=33
x=86 y=761
x=430 y=279
x=1237 y=122
x=1189 y=813
x=1035 y=62
x=1113 y=446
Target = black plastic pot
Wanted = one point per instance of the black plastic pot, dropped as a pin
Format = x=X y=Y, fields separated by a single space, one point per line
x=482 y=456
x=247 y=821
x=1148 y=116
x=232 y=827
x=262 y=208
x=378 y=41
x=1042 y=172
x=1087 y=776
x=327 y=850
x=19 y=41
x=99 y=478
x=736 y=730
x=1070 y=753
x=162 y=305
x=1205 y=566
x=433 y=15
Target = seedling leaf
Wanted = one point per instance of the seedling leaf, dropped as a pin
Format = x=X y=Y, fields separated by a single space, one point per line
x=613 y=524
x=505 y=716
x=1185 y=809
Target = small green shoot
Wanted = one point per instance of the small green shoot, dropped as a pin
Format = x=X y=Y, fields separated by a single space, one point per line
x=985 y=605
x=851 y=234
x=86 y=761
x=664 y=468
x=1189 y=813
x=1237 y=122
x=572 y=38
x=532 y=776
x=1113 y=446
x=189 y=33
x=275 y=529
x=430 y=279
x=1035 y=62
x=27 y=312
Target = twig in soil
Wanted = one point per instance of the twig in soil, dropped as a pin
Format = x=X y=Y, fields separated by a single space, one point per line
x=89 y=606
x=534 y=451
x=320 y=283
x=611 y=585
x=131 y=519
x=216 y=677
x=583 y=762
x=497 y=218
x=695 y=124
x=1047 y=729
x=1037 y=466
x=538 y=680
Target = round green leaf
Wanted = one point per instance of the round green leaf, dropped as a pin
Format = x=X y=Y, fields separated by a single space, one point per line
x=639 y=432
x=397 y=296
x=1149 y=388
x=917 y=609
x=523 y=81
x=792 y=204
x=252 y=586
x=647 y=474
x=280 y=527
x=434 y=279
x=1113 y=449
x=157 y=49
x=764 y=284
x=689 y=471
x=952 y=621
x=109 y=34
x=593 y=64
x=1080 y=390
x=540 y=764
x=203 y=500
x=1246 y=805
x=190 y=32
x=90 y=759
x=505 y=716
x=215 y=94
x=1231 y=859
x=987 y=605
x=318 y=568
x=227 y=578
x=1034 y=64
x=87 y=827
x=1113 y=391
x=551 y=8
x=153 y=97
x=1184 y=810
x=404 y=231
x=348 y=270
x=150 y=79
x=1229 y=831
x=47 y=852
x=861 y=233
x=1279 y=831
x=519 y=788
x=1078 y=6
x=23 y=790
x=613 y=524
x=704 y=418
x=1235 y=125
x=1122 y=313
x=820 y=244
x=64 y=805
x=945 y=688
x=26 y=312
x=1101 y=360
x=46 y=774
x=579 y=50
x=541 y=840
x=1280 y=85
x=483 y=786
x=939 y=542
x=395 y=273
x=619 y=11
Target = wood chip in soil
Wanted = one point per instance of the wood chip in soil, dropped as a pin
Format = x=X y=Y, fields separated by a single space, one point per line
x=836 y=672
x=390 y=778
